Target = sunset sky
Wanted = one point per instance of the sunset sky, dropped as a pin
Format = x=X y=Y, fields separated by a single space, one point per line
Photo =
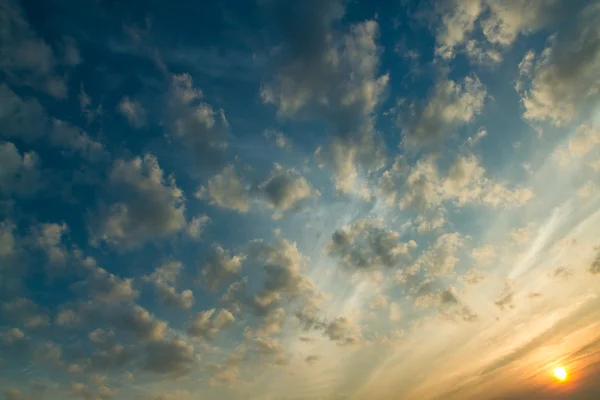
x=316 y=199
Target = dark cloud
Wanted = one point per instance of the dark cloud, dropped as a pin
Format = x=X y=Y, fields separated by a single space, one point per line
x=169 y=357
x=148 y=206
x=220 y=267
x=368 y=244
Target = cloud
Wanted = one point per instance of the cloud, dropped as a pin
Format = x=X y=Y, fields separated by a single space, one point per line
x=176 y=395
x=133 y=111
x=368 y=244
x=441 y=256
x=450 y=105
x=344 y=331
x=196 y=122
x=147 y=206
x=100 y=285
x=209 y=323
x=22 y=118
x=330 y=74
x=49 y=237
x=457 y=22
x=12 y=336
x=220 y=267
x=284 y=191
x=282 y=141
x=26 y=313
x=64 y=135
x=20 y=173
x=595 y=266
x=425 y=189
x=26 y=59
x=283 y=264
x=163 y=280
x=563 y=84
x=506 y=299
x=197 y=225
x=312 y=359
x=172 y=357
x=227 y=189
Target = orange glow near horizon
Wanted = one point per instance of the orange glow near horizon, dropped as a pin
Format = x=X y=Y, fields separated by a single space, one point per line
x=560 y=373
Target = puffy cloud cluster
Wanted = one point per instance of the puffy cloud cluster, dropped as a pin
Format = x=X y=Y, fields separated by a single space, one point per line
x=426 y=190
x=283 y=190
x=333 y=75
x=344 y=331
x=163 y=279
x=147 y=206
x=564 y=84
x=208 y=324
x=219 y=267
x=499 y=21
x=20 y=173
x=196 y=122
x=368 y=244
x=450 y=104
x=26 y=58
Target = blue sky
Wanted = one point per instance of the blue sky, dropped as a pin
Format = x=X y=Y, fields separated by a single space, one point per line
x=297 y=200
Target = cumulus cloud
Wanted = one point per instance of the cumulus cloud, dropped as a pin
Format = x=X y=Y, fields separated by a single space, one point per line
x=197 y=225
x=197 y=123
x=220 y=267
x=22 y=118
x=20 y=173
x=163 y=279
x=458 y=19
x=330 y=74
x=67 y=136
x=49 y=237
x=441 y=256
x=133 y=111
x=147 y=206
x=344 y=331
x=426 y=190
x=283 y=264
x=227 y=189
x=450 y=105
x=368 y=244
x=26 y=59
x=101 y=285
x=284 y=190
x=209 y=323
x=26 y=313
x=174 y=357
x=564 y=84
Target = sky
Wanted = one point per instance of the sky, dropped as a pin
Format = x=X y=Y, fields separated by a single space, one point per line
x=320 y=199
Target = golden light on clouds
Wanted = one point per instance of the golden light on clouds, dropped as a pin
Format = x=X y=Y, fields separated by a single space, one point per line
x=560 y=373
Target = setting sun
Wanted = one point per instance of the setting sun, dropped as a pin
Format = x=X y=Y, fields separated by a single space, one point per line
x=560 y=373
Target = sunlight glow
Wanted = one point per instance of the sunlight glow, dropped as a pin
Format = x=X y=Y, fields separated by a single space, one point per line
x=560 y=373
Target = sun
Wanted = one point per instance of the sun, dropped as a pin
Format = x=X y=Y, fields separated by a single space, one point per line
x=560 y=373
